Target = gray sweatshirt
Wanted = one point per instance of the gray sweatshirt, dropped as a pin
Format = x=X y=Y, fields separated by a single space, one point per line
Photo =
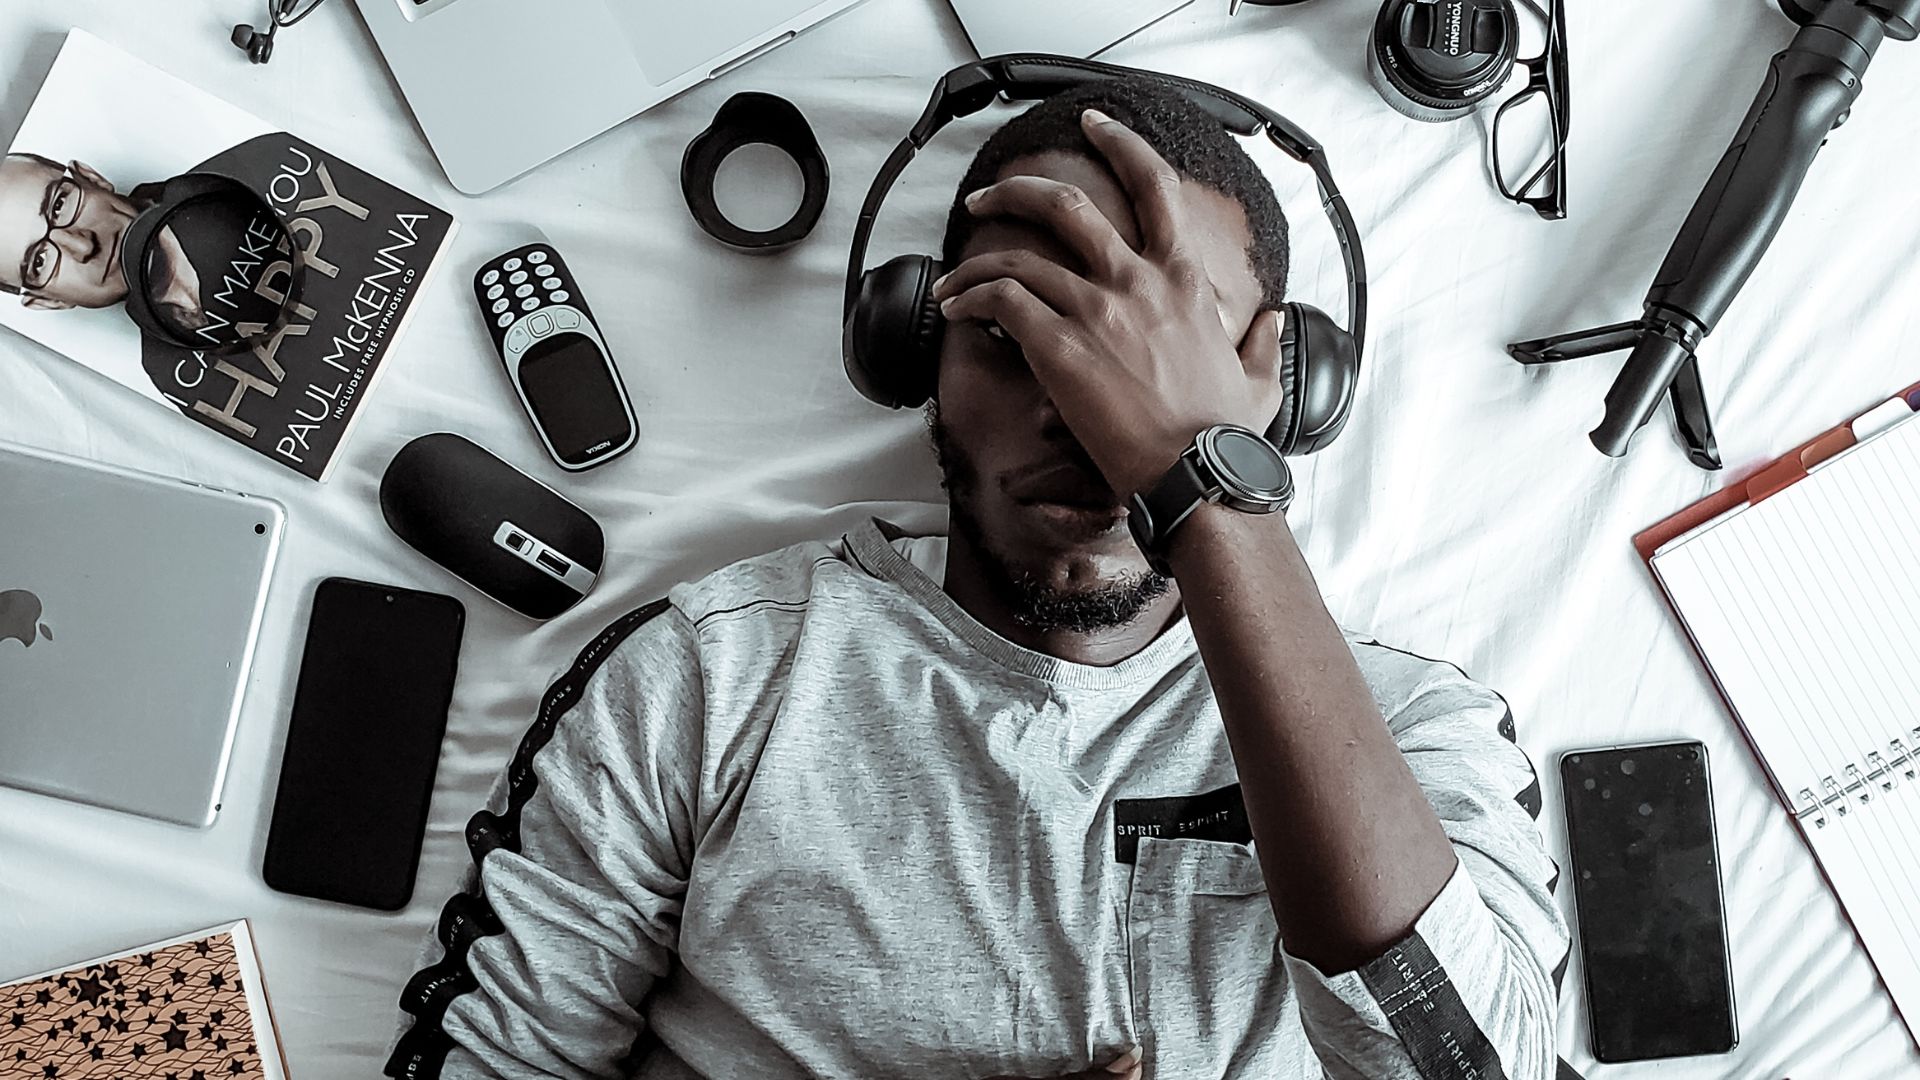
x=807 y=818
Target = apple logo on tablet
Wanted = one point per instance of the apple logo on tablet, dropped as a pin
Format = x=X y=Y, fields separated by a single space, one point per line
x=20 y=617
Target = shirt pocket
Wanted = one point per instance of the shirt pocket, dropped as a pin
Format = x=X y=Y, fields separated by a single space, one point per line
x=1210 y=991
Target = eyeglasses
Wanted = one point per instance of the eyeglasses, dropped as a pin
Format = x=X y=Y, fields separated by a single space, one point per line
x=60 y=207
x=1534 y=125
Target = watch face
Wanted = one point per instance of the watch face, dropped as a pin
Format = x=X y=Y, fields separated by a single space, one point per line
x=1249 y=460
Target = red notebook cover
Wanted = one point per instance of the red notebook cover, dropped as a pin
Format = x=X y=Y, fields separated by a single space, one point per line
x=1784 y=471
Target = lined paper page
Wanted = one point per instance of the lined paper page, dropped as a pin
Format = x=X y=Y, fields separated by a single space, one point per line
x=1866 y=854
x=1806 y=607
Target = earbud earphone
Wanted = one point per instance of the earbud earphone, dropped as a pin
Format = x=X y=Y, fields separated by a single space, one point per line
x=259 y=46
x=890 y=340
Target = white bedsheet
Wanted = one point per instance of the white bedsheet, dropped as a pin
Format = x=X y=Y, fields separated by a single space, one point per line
x=1462 y=515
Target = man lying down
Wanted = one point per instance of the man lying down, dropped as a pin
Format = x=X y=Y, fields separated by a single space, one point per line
x=1012 y=802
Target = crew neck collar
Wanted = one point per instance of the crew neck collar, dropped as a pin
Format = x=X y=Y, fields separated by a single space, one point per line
x=871 y=545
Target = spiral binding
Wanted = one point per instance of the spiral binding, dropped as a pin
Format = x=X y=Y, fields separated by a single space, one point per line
x=1856 y=785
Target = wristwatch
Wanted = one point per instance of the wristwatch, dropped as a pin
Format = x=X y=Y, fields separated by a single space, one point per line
x=1226 y=464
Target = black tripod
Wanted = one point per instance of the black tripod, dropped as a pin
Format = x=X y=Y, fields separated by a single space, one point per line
x=1810 y=87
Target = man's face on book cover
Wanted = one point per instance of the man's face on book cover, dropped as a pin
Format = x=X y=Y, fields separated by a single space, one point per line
x=60 y=231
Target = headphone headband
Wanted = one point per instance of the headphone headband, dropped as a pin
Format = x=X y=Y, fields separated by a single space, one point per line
x=177 y=194
x=971 y=87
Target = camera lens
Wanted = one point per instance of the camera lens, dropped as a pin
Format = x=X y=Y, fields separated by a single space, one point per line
x=389 y=598
x=1438 y=60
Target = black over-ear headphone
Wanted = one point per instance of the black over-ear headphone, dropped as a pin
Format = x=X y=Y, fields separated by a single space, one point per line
x=890 y=340
x=223 y=196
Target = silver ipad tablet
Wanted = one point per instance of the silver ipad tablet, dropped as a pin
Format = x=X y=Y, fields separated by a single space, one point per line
x=129 y=605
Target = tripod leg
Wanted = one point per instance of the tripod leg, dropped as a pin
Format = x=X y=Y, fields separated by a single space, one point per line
x=1690 y=415
x=1552 y=350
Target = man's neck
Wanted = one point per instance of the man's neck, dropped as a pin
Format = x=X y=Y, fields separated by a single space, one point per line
x=966 y=581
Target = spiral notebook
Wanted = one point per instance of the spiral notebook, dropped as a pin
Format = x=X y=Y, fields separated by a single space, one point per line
x=1805 y=604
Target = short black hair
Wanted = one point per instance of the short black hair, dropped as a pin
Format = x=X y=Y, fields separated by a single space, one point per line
x=1193 y=142
x=37 y=159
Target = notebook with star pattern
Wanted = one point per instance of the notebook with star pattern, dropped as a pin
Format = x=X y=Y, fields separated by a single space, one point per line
x=191 y=1008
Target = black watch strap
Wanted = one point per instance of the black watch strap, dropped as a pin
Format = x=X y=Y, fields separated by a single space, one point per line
x=1154 y=513
x=1207 y=472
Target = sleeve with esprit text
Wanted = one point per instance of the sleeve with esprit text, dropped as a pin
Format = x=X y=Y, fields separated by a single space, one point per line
x=545 y=960
x=1472 y=991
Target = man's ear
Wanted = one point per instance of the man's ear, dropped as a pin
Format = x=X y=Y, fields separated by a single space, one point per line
x=42 y=303
x=91 y=175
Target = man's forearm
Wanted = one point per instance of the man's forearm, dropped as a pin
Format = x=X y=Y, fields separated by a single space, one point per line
x=1351 y=850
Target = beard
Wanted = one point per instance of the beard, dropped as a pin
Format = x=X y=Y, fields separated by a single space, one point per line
x=1032 y=599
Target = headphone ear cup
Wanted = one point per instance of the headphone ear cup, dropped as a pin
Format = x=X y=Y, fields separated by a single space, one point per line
x=1321 y=370
x=891 y=342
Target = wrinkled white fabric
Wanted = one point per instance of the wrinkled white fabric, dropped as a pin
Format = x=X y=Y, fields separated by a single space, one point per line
x=1462 y=515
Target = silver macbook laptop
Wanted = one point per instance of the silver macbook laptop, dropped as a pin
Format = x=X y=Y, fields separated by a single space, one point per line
x=1066 y=27
x=500 y=86
x=129 y=604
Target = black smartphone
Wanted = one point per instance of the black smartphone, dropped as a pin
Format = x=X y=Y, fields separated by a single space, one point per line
x=363 y=743
x=1646 y=887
